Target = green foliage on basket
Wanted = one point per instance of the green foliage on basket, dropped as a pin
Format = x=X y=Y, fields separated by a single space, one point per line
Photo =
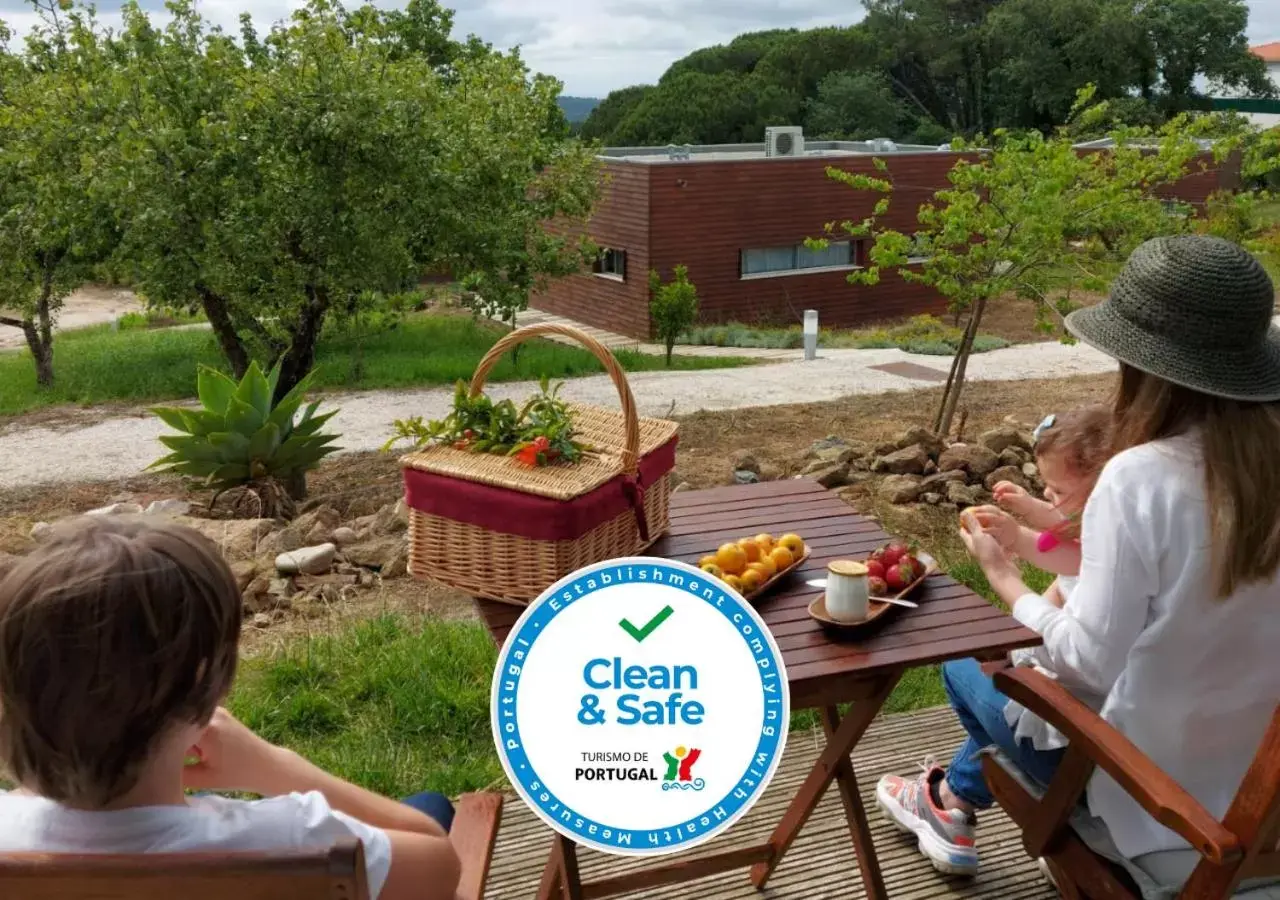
x=538 y=433
x=239 y=437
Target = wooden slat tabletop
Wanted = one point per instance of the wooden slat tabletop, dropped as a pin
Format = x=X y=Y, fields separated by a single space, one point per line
x=951 y=623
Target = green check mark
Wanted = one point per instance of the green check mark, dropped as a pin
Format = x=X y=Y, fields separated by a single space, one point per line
x=649 y=627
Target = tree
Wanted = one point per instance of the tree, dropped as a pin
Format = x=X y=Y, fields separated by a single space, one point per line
x=612 y=110
x=1032 y=217
x=299 y=176
x=856 y=106
x=54 y=223
x=673 y=307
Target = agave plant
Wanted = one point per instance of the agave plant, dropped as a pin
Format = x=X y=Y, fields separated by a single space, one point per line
x=238 y=439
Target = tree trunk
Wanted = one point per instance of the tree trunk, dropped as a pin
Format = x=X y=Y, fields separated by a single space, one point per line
x=946 y=390
x=952 y=396
x=219 y=316
x=671 y=344
x=301 y=355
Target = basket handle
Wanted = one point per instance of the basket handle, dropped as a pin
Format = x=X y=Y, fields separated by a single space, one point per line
x=630 y=452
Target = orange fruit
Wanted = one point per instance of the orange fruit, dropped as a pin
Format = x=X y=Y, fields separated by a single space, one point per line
x=734 y=582
x=752 y=549
x=751 y=580
x=768 y=566
x=760 y=568
x=731 y=559
x=794 y=543
x=782 y=557
x=712 y=569
x=708 y=560
x=765 y=540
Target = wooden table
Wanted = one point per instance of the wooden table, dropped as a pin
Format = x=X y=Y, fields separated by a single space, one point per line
x=951 y=623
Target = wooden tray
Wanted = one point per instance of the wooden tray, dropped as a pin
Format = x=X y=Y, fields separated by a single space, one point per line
x=876 y=609
x=781 y=574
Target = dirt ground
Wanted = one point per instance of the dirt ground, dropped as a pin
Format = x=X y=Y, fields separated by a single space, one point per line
x=92 y=304
x=359 y=484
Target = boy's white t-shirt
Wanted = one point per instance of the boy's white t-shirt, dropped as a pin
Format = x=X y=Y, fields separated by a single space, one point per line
x=207 y=824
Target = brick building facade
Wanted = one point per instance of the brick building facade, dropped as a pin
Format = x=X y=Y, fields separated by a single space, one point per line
x=738 y=220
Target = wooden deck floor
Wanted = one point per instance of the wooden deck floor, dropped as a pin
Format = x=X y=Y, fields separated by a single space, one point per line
x=821 y=864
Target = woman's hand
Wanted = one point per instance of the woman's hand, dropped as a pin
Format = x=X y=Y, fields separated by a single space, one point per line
x=231 y=757
x=983 y=545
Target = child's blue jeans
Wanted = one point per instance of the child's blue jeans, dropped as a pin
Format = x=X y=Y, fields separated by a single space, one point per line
x=437 y=806
x=981 y=710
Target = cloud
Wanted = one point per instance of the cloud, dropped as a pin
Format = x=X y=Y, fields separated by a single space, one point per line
x=595 y=46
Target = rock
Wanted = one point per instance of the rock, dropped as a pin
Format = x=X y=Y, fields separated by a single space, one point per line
x=1002 y=437
x=307 y=560
x=1014 y=456
x=974 y=459
x=966 y=495
x=171 y=507
x=236 y=538
x=769 y=471
x=344 y=536
x=1010 y=474
x=244 y=570
x=744 y=461
x=861 y=464
x=261 y=620
x=256 y=596
x=40 y=531
x=931 y=468
x=948 y=507
x=282 y=591
x=391 y=519
x=117 y=509
x=939 y=481
x=931 y=498
x=745 y=476
x=908 y=461
x=931 y=443
x=1030 y=470
x=885 y=449
x=389 y=555
x=313 y=527
x=827 y=475
x=823 y=449
x=900 y=488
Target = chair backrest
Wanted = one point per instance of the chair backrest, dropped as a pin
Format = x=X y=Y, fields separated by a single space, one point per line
x=1254 y=818
x=333 y=874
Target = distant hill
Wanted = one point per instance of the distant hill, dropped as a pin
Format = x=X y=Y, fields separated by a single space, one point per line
x=576 y=109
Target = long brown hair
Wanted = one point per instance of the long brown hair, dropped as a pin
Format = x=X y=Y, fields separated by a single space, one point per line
x=1242 y=479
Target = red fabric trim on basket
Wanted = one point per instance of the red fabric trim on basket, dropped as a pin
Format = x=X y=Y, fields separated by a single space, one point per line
x=528 y=515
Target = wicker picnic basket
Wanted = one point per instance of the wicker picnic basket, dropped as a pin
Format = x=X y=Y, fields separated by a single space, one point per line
x=495 y=528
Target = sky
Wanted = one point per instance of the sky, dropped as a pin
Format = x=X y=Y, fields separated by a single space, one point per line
x=595 y=46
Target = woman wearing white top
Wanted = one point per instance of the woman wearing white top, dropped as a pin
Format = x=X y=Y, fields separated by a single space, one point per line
x=1176 y=615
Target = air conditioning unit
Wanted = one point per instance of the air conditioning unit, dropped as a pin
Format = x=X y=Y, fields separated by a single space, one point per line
x=784 y=140
x=883 y=145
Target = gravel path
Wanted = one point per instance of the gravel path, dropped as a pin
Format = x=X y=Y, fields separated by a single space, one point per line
x=123 y=446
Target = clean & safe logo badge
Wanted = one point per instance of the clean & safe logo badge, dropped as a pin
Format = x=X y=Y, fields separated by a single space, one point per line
x=640 y=706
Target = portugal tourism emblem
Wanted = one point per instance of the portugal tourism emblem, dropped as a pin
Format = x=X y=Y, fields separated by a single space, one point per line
x=640 y=706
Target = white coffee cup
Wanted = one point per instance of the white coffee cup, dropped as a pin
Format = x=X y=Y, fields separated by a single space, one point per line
x=847 y=595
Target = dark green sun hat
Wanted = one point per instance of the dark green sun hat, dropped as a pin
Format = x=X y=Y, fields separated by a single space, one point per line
x=1195 y=311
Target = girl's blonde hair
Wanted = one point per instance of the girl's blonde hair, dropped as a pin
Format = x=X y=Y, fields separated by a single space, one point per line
x=1242 y=480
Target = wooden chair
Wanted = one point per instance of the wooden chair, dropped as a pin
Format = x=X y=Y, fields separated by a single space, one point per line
x=333 y=874
x=1243 y=846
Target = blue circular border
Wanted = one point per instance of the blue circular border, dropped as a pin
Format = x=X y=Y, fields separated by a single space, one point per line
x=679 y=836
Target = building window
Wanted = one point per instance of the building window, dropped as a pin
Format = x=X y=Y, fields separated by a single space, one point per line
x=772 y=261
x=611 y=264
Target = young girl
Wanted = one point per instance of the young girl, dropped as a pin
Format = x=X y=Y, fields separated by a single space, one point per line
x=1071 y=450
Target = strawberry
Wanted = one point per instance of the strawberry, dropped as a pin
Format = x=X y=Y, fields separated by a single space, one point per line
x=893 y=578
x=877 y=586
x=541 y=444
x=877 y=555
x=875 y=568
x=907 y=571
x=894 y=552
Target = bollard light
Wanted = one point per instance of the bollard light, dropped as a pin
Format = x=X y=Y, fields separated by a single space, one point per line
x=810 y=334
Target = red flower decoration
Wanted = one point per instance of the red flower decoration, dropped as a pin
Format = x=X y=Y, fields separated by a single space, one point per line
x=528 y=456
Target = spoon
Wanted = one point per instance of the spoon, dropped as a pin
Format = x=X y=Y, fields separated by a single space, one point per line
x=822 y=583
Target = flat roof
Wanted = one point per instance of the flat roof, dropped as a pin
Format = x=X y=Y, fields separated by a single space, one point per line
x=741 y=152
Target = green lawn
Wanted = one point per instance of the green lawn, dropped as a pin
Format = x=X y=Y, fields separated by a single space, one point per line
x=927 y=335
x=101 y=364
x=402 y=705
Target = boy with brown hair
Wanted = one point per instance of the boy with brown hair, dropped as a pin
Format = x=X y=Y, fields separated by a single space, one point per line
x=118 y=643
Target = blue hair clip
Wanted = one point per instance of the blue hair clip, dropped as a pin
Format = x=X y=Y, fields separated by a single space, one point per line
x=1044 y=426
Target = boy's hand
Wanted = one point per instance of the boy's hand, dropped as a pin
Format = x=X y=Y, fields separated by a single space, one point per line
x=231 y=758
x=1000 y=525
